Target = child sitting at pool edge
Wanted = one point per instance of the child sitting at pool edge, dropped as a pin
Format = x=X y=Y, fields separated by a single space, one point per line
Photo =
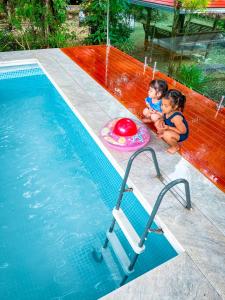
x=153 y=111
x=172 y=126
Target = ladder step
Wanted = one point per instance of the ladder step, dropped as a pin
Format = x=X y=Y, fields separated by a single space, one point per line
x=128 y=230
x=119 y=252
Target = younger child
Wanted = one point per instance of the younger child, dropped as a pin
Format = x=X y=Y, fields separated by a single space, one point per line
x=153 y=111
x=173 y=127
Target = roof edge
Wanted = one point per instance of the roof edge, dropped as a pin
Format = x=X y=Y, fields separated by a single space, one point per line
x=144 y=3
x=151 y=4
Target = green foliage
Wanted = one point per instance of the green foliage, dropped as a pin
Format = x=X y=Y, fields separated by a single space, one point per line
x=125 y=46
x=191 y=6
x=7 y=42
x=194 y=4
x=141 y=14
x=221 y=24
x=193 y=77
x=34 y=24
x=96 y=19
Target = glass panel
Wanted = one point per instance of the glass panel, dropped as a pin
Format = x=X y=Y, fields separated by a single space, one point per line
x=187 y=47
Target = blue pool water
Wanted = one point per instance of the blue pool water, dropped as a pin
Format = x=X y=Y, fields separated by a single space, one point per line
x=57 y=193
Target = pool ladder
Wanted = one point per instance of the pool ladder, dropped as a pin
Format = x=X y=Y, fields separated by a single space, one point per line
x=136 y=242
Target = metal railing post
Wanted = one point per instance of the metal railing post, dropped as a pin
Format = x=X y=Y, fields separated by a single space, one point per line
x=220 y=104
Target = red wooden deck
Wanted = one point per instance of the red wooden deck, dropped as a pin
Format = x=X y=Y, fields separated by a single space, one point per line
x=124 y=77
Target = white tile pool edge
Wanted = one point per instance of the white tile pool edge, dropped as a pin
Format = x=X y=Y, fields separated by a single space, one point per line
x=20 y=62
x=170 y=237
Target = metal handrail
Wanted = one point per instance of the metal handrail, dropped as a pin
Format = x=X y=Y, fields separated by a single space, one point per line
x=133 y=156
x=123 y=186
x=159 y=200
x=154 y=212
x=98 y=256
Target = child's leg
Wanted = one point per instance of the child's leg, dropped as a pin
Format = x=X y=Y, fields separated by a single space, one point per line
x=159 y=124
x=172 y=139
x=146 y=112
x=147 y=116
x=155 y=117
x=150 y=116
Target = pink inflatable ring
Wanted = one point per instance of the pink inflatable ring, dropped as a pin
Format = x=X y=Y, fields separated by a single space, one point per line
x=123 y=142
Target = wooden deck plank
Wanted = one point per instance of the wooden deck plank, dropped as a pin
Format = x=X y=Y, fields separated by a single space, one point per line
x=125 y=78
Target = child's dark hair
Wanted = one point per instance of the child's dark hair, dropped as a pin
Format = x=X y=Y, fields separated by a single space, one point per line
x=160 y=86
x=177 y=98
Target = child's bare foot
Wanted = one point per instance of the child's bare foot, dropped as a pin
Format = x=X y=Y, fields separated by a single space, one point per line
x=173 y=149
x=146 y=120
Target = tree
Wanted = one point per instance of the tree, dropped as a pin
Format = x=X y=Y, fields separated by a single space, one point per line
x=192 y=5
x=147 y=16
x=181 y=24
x=96 y=18
x=35 y=23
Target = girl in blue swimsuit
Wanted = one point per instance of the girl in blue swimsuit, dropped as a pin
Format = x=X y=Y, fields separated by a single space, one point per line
x=173 y=127
x=153 y=111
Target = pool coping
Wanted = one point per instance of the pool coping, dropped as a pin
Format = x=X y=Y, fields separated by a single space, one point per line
x=183 y=224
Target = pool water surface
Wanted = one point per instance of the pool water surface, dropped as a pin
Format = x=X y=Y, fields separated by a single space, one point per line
x=57 y=193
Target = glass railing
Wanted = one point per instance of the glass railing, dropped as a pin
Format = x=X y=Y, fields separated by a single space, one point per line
x=189 y=48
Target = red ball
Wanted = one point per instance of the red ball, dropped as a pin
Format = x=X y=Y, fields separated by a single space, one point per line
x=125 y=127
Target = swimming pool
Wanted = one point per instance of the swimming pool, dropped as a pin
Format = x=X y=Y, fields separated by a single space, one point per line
x=57 y=193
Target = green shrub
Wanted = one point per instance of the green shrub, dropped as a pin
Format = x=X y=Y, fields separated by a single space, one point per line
x=32 y=24
x=193 y=77
x=96 y=19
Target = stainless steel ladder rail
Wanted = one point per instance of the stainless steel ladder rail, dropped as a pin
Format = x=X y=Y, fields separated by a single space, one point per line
x=154 y=212
x=123 y=186
x=117 y=213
